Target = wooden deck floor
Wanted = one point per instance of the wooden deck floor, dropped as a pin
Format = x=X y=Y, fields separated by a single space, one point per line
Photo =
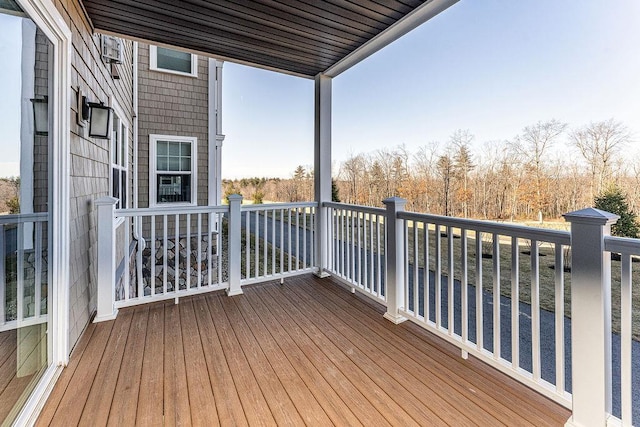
x=305 y=353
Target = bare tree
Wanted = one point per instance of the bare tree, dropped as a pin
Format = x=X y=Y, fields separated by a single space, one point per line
x=424 y=162
x=463 y=164
x=532 y=145
x=599 y=143
x=351 y=171
x=445 y=171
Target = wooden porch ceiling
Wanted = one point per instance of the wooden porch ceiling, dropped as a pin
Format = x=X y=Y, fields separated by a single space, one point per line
x=306 y=353
x=298 y=37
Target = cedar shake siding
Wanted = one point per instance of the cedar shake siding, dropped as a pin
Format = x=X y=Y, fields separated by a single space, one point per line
x=176 y=105
x=89 y=157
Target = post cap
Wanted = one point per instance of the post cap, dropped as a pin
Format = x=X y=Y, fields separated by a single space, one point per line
x=106 y=200
x=394 y=200
x=234 y=197
x=591 y=216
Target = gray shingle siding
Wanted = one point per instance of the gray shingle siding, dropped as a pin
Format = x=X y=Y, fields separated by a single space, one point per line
x=89 y=158
x=170 y=104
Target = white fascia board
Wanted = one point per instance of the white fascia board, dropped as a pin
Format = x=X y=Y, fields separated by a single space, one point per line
x=411 y=21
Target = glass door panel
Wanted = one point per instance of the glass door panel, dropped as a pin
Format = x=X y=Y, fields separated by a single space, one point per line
x=25 y=144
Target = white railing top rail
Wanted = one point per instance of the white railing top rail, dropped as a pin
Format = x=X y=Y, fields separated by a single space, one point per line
x=181 y=210
x=269 y=206
x=19 y=218
x=624 y=245
x=512 y=230
x=356 y=208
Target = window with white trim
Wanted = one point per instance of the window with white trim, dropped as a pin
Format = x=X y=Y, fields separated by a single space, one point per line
x=119 y=163
x=173 y=61
x=173 y=170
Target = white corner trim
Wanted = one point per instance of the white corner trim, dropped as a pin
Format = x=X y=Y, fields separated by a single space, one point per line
x=414 y=19
x=153 y=172
x=153 y=63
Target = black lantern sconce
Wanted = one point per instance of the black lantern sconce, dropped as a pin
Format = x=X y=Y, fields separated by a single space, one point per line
x=99 y=116
x=41 y=115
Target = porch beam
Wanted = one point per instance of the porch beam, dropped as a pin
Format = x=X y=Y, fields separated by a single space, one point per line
x=322 y=167
x=408 y=23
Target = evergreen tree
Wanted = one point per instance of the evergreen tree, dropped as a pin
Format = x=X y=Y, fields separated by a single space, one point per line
x=335 y=194
x=614 y=201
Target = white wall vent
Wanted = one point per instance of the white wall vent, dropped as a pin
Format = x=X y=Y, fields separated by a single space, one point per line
x=111 y=49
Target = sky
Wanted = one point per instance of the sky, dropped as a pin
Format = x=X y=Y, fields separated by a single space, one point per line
x=10 y=45
x=489 y=66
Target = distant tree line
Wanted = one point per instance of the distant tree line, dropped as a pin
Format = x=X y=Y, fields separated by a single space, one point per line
x=516 y=179
x=298 y=188
x=522 y=178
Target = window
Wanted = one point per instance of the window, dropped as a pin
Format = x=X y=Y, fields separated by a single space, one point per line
x=173 y=61
x=173 y=170
x=119 y=163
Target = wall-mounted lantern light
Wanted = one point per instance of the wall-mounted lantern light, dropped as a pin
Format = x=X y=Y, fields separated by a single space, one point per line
x=41 y=115
x=99 y=116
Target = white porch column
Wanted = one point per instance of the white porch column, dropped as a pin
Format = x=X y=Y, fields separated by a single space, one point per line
x=322 y=168
x=394 y=259
x=590 y=317
x=106 y=259
x=214 y=134
x=234 y=246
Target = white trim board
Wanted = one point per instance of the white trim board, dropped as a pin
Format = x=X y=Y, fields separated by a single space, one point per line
x=153 y=172
x=153 y=62
x=51 y=22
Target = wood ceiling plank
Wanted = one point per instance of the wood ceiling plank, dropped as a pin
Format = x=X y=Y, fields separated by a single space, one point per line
x=159 y=35
x=302 y=37
x=337 y=12
x=276 y=12
x=386 y=8
x=215 y=39
x=233 y=25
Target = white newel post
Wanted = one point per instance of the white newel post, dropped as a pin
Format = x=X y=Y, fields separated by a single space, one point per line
x=322 y=169
x=234 y=246
x=106 y=259
x=590 y=317
x=394 y=259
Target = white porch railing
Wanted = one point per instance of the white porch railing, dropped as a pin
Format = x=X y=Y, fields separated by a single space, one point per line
x=464 y=281
x=356 y=247
x=23 y=270
x=278 y=241
x=497 y=291
x=536 y=333
x=629 y=251
x=147 y=255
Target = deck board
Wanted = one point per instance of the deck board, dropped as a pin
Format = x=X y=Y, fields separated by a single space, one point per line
x=310 y=389
x=434 y=377
x=304 y=353
x=96 y=410
x=125 y=397
x=176 y=396
x=150 y=408
x=74 y=397
x=444 y=357
x=348 y=393
x=47 y=413
x=228 y=402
